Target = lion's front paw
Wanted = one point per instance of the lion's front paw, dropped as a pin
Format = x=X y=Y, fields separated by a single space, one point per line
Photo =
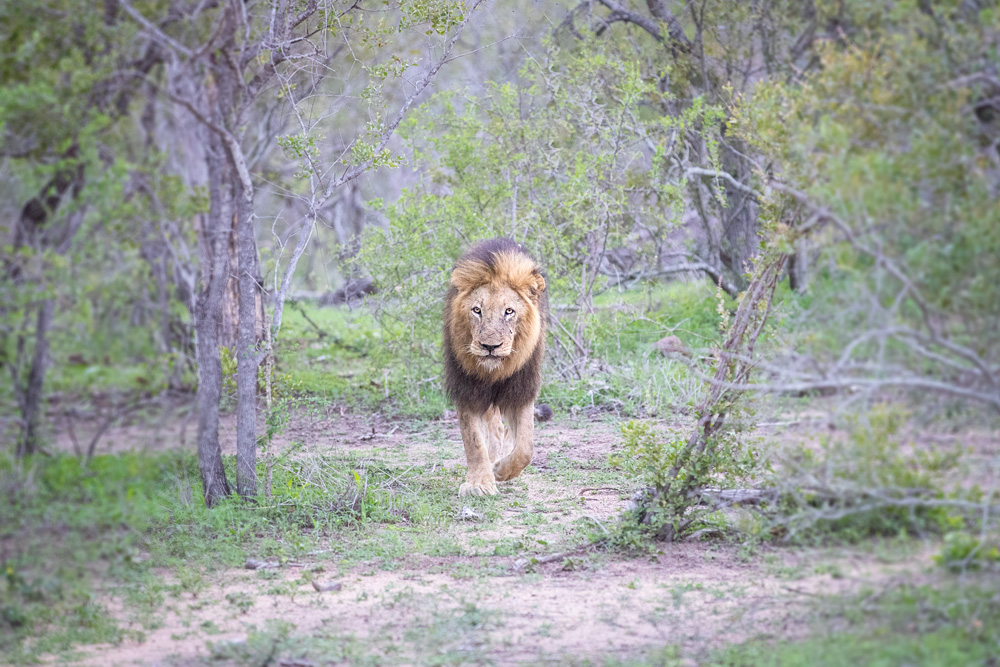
x=482 y=486
x=510 y=466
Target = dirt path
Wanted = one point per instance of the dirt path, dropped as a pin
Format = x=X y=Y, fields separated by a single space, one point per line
x=430 y=606
x=691 y=596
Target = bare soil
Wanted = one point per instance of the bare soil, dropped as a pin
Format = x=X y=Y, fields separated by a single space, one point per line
x=691 y=595
x=502 y=610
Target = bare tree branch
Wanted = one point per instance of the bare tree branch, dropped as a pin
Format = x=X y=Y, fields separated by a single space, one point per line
x=309 y=223
x=154 y=32
x=675 y=31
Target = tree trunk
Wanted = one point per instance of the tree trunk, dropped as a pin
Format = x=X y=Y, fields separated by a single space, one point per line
x=31 y=393
x=208 y=317
x=230 y=322
x=29 y=232
x=798 y=267
x=229 y=337
x=213 y=475
x=246 y=360
x=740 y=217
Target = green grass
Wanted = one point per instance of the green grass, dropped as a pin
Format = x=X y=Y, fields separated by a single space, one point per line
x=945 y=624
x=940 y=648
x=950 y=623
x=447 y=630
x=331 y=358
x=119 y=517
x=121 y=521
x=114 y=520
x=340 y=355
x=688 y=310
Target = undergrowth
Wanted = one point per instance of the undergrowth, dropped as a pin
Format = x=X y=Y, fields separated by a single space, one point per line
x=867 y=482
x=934 y=625
x=652 y=460
x=870 y=482
x=68 y=523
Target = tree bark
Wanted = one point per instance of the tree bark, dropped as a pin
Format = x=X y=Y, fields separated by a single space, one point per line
x=230 y=317
x=798 y=267
x=246 y=365
x=230 y=333
x=208 y=313
x=31 y=393
x=213 y=475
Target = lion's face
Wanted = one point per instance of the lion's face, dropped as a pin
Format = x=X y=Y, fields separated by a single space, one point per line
x=493 y=318
x=495 y=315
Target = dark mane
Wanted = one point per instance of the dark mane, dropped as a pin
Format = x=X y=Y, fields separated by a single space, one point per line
x=486 y=251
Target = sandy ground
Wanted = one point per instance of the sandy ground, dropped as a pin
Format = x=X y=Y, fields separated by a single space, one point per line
x=498 y=610
x=691 y=595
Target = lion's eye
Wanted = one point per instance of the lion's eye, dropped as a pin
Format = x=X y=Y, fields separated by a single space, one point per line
x=476 y=310
x=509 y=311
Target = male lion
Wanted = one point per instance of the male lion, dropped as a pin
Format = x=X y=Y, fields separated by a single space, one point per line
x=494 y=340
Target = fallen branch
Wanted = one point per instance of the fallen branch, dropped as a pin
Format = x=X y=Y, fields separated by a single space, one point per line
x=521 y=563
x=738 y=496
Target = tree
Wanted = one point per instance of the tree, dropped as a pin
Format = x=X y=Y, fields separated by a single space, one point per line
x=896 y=185
x=890 y=153
x=228 y=59
x=63 y=98
x=714 y=53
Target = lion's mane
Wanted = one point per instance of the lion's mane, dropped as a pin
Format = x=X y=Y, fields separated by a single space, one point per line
x=500 y=262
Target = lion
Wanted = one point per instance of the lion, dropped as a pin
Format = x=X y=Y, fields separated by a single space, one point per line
x=495 y=317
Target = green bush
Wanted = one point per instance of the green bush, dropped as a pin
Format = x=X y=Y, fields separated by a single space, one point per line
x=669 y=503
x=962 y=550
x=533 y=161
x=870 y=483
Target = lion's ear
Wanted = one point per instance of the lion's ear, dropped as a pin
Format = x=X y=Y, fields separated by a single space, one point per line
x=539 y=285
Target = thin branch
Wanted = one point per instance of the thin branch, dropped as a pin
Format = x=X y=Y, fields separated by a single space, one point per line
x=155 y=32
x=717 y=174
x=309 y=223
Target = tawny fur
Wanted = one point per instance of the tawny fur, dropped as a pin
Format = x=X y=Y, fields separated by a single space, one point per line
x=512 y=272
x=494 y=338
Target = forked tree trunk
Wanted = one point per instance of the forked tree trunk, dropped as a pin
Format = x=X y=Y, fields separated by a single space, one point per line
x=229 y=97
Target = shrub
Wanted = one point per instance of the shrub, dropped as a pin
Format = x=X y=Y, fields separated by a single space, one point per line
x=869 y=483
x=532 y=162
x=662 y=464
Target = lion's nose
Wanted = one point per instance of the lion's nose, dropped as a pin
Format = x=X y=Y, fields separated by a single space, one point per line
x=489 y=348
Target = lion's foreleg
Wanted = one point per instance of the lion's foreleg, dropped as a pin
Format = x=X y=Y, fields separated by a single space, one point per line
x=494 y=434
x=521 y=425
x=475 y=435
